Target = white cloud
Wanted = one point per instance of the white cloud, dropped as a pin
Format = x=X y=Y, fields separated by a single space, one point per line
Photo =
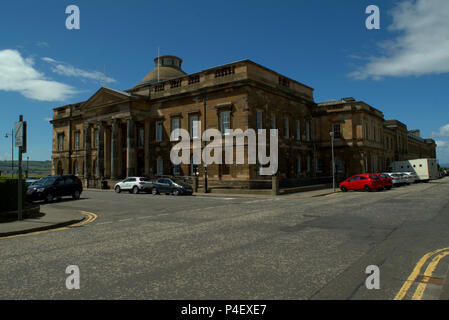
x=422 y=47
x=18 y=75
x=443 y=151
x=443 y=132
x=68 y=70
x=42 y=44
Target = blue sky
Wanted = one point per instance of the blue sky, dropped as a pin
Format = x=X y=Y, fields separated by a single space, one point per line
x=401 y=69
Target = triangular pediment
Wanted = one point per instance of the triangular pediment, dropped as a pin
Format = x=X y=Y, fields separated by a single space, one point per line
x=106 y=96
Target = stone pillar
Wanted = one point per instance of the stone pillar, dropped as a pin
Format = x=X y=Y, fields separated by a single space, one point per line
x=100 y=151
x=87 y=139
x=131 y=157
x=147 y=147
x=114 y=149
x=107 y=152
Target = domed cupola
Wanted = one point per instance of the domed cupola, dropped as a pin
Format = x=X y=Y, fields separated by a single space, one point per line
x=169 y=68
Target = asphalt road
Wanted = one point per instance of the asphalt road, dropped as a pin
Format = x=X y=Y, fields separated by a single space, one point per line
x=165 y=247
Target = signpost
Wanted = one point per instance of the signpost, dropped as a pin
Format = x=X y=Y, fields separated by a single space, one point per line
x=20 y=139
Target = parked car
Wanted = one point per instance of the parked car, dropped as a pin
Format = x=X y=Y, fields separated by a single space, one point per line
x=387 y=181
x=397 y=179
x=367 y=182
x=171 y=186
x=410 y=177
x=134 y=185
x=55 y=187
x=31 y=181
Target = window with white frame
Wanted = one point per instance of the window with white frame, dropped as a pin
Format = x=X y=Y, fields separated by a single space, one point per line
x=60 y=142
x=225 y=122
x=194 y=126
x=286 y=128
x=336 y=129
x=158 y=131
x=175 y=124
x=298 y=129
x=77 y=140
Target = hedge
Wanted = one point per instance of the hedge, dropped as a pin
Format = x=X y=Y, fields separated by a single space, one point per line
x=8 y=194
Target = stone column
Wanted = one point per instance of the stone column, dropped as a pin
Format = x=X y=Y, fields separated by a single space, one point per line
x=147 y=147
x=100 y=151
x=87 y=139
x=131 y=157
x=114 y=149
x=107 y=152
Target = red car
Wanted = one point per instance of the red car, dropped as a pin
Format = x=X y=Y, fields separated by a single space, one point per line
x=367 y=182
x=386 y=180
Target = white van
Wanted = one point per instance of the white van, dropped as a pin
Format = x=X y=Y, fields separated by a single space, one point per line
x=424 y=169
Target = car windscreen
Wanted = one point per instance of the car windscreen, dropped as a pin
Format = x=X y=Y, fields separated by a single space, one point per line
x=46 y=181
x=145 y=179
x=374 y=177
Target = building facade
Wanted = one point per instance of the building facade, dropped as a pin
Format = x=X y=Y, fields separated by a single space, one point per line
x=363 y=141
x=115 y=134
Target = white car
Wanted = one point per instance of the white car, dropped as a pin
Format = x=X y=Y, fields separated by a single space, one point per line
x=134 y=185
x=411 y=177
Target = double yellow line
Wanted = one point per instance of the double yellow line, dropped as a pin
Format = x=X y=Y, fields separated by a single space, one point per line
x=419 y=292
x=90 y=218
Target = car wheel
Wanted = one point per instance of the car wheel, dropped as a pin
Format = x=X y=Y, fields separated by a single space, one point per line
x=367 y=188
x=154 y=191
x=135 y=190
x=388 y=188
x=117 y=189
x=176 y=193
x=76 y=195
x=49 y=198
x=344 y=189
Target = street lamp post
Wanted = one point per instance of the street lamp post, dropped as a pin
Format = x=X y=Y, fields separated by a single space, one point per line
x=12 y=150
x=333 y=160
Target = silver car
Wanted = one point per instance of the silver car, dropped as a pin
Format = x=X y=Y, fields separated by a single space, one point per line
x=410 y=177
x=398 y=179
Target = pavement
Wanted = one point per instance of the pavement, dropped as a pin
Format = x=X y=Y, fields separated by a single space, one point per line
x=49 y=218
x=243 y=194
x=291 y=247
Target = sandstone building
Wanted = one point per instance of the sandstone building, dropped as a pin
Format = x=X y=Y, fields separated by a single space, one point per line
x=115 y=134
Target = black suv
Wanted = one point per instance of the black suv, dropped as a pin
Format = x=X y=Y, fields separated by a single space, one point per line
x=55 y=187
x=171 y=186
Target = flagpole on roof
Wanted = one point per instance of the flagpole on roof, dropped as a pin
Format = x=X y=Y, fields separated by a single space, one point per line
x=158 y=63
